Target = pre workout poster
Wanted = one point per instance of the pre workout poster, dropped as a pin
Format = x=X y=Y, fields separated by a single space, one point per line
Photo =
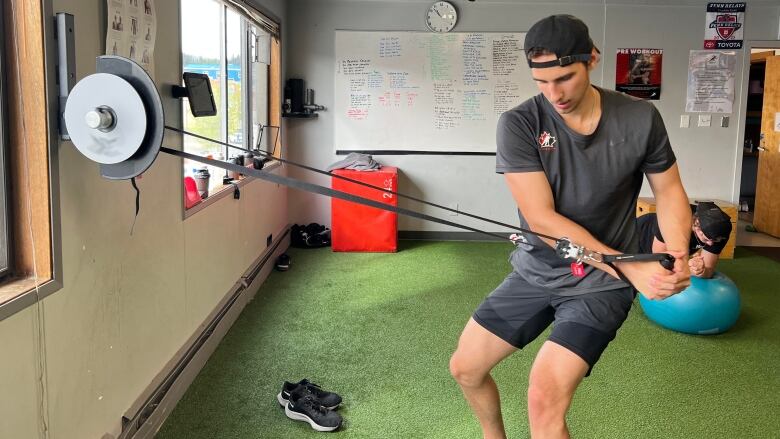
x=638 y=72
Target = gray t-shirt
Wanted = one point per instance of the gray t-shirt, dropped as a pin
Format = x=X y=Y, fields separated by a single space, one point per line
x=595 y=179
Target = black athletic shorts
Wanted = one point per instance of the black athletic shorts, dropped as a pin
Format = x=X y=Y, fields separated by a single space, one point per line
x=518 y=312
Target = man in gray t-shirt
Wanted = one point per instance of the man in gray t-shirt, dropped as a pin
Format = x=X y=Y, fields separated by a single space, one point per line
x=595 y=178
x=573 y=158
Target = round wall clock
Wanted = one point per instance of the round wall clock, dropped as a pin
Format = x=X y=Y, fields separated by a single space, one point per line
x=441 y=17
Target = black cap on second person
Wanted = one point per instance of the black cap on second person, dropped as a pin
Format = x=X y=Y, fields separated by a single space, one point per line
x=714 y=222
x=564 y=35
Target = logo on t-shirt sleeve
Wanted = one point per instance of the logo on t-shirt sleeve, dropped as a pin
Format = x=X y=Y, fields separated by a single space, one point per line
x=546 y=141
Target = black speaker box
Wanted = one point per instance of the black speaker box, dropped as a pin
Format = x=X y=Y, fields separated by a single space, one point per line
x=297 y=92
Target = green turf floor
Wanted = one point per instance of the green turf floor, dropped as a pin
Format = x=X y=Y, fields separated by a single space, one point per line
x=379 y=329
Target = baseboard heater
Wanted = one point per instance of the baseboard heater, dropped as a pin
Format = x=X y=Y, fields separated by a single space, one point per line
x=146 y=420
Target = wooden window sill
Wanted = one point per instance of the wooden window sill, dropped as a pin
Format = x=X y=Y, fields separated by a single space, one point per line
x=19 y=293
x=13 y=288
x=223 y=191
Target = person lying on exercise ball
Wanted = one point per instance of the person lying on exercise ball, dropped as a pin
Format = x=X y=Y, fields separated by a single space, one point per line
x=709 y=234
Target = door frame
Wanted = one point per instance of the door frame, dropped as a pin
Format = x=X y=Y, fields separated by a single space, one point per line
x=743 y=93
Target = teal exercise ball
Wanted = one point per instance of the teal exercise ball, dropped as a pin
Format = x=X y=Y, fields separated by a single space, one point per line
x=708 y=306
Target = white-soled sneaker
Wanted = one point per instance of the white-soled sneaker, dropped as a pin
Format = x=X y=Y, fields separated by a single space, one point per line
x=328 y=399
x=304 y=407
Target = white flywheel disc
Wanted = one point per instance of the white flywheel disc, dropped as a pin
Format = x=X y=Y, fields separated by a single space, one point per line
x=121 y=141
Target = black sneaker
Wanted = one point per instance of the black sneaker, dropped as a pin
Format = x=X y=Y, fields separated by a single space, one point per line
x=304 y=406
x=282 y=262
x=309 y=236
x=328 y=399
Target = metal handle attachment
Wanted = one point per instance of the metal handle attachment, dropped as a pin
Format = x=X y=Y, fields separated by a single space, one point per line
x=568 y=250
x=101 y=118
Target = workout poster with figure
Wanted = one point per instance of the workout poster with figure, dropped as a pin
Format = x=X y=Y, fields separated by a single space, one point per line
x=131 y=31
x=638 y=72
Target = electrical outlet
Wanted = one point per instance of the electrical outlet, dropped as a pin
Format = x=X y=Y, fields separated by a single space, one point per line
x=269 y=240
x=724 y=121
x=453 y=206
x=685 y=121
x=705 y=120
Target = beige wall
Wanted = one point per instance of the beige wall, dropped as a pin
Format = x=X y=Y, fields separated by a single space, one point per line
x=129 y=302
x=709 y=157
x=20 y=398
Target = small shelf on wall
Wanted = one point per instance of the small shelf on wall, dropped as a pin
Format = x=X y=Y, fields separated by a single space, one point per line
x=300 y=115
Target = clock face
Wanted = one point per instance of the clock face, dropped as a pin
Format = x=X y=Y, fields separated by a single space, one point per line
x=441 y=17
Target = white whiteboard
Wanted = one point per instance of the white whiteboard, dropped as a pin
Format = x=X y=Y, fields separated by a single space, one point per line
x=421 y=91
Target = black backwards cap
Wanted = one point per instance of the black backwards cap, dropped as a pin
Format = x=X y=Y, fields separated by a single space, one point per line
x=714 y=222
x=564 y=35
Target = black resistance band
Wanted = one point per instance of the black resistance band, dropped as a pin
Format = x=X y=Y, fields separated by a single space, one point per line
x=361 y=183
x=564 y=247
x=322 y=190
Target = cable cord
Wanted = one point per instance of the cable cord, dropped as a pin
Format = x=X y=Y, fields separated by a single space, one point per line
x=39 y=331
x=137 y=203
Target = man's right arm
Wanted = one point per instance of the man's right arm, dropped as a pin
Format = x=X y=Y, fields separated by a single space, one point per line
x=534 y=198
x=674 y=221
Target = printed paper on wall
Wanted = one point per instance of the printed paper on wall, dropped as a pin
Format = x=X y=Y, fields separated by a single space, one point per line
x=131 y=31
x=710 y=81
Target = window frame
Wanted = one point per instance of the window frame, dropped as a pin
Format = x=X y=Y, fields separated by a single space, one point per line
x=273 y=80
x=42 y=33
x=5 y=243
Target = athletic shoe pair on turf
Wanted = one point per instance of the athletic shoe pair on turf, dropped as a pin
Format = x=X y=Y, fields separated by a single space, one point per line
x=308 y=402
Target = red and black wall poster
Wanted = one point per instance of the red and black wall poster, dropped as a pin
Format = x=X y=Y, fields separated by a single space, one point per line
x=638 y=72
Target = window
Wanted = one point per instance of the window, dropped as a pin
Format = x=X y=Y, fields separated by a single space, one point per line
x=234 y=50
x=4 y=248
x=28 y=144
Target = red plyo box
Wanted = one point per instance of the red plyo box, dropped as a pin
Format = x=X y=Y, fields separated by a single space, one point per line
x=359 y=228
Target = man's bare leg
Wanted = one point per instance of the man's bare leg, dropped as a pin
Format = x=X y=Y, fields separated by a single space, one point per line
x=554 y=377
x=479 y=350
